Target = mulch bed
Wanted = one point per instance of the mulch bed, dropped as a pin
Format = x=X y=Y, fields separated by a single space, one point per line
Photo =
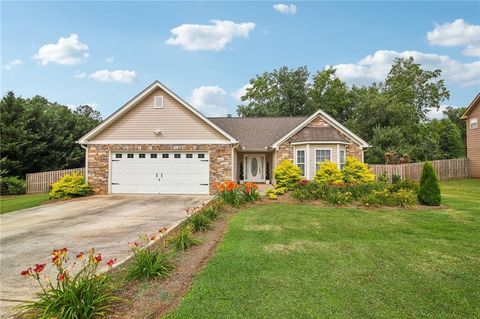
x=154 y=298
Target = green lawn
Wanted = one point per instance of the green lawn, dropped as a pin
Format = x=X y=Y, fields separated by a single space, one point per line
x=301 y=261
x=17 y=202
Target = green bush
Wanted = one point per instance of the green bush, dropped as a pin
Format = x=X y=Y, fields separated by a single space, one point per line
x=250 y=192
x=184 y=239
x=357 y=172
x=328 y=173
x=280 y=190
x=148 y=264
x=429 y=190
x=405 y=184
x=12 y=185
x=198 y=222
x=69 y=186
x=272 y=196
x=403 y=198
x=308 y=191
x=287 y=175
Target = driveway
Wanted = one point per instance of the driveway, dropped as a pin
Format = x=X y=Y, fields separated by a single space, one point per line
x=106 y=223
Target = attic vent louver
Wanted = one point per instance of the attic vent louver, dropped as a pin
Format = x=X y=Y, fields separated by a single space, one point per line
x=158 y=102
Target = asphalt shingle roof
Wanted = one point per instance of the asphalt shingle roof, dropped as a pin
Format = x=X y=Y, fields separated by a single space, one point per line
x=257 y=132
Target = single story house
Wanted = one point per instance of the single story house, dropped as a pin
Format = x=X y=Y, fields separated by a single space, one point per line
x=158 y=143
x=472 y=117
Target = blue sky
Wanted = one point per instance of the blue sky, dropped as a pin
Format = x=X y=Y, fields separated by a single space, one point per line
x=207 y=51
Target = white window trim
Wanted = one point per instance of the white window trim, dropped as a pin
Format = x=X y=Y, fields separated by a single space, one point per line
x=305 y=158
x=155 y=105
x=345 y=157
x=321 y=149
x=473 y=120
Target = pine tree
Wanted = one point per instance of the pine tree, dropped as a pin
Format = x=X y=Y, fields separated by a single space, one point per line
x=429 y=191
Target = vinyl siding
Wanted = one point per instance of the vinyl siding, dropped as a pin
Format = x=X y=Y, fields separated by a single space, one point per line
x=473 y=143
x=175 y=121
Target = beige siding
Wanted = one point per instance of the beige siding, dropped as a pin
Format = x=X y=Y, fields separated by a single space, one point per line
x=473 y=143
x=175 y=121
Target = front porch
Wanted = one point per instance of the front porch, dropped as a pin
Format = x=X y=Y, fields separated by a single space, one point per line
x=254 y=166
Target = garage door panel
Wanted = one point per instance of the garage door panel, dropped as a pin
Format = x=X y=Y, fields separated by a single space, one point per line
x=160 y=175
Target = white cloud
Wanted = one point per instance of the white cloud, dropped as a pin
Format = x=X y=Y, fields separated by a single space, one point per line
x=285 y=8
x=237 y=94
x=210 y=100
x=80 y=75
x=120 y=76
x=93 y=105
x=67 y=51
x=437 y=114
x=12 y=64
x=109 y=59
x=194 y=37
x=457 y=33
x=374 y=68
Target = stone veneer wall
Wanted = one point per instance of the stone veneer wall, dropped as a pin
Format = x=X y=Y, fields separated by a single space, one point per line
x=98 y=160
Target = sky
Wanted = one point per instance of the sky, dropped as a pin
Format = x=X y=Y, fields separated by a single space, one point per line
x=104 y=53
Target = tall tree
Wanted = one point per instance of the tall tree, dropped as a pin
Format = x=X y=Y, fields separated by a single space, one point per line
x=455 y=115
x=330 y=94
x=39 y=135
x=282 y=92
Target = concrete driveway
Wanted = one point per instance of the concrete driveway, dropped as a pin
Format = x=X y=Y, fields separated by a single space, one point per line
x=106 y=223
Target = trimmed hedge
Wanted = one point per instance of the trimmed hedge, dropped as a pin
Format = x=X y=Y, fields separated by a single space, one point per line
x=429 y=190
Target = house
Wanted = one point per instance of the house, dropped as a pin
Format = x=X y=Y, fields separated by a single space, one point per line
x=472 y=116
x=158 y=143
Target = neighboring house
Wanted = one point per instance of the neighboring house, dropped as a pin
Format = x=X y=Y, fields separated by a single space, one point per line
x=158 y=143
x=472 y=117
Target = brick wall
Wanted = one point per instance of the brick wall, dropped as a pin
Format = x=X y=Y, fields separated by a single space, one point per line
x=98 y=161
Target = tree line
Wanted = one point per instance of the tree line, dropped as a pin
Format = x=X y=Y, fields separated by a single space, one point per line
x=38 y=135
x=391 y=115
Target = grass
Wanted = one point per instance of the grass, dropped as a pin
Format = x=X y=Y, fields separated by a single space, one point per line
x=302 y=261
x=17 y=202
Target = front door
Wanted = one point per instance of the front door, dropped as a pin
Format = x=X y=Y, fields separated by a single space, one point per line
x=255 y=168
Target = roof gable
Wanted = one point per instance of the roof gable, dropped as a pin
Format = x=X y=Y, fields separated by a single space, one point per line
x=328 y=119
x=475 y=103
x=138 y=119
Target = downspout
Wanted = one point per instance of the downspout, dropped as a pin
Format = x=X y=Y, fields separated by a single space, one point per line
x=85 y=147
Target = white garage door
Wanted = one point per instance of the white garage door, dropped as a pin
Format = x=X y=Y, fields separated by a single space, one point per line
x=160 y=173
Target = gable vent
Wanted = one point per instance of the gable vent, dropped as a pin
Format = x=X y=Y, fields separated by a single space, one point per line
x=158 y=102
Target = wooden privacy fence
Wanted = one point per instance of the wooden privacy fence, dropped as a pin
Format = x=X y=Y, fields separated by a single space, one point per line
x=40 y=182
x=445 y=169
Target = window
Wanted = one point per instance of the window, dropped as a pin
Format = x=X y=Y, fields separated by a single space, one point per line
x=322 y=156
x=141 y=155
x=129 y=155
x=158 y=102
x=164 y=155
x=342 y=159
x=474 y=122
x=201 y=155
x=153 y=155
x=177 y=156
x=189 y=155
x=118 y=155
x=301 y=160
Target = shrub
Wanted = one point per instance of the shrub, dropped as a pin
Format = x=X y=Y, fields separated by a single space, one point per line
x=12 y=186
x=336 y=197
x=184 y=239
x=382 y=178
x=148 y=264
x=211 y=213
x=357 y=172
x=280 y=190
x=396 y=179
x=198 y=222
x=328 y=173
x=69 y=186
x=384 y=197
x=405 y=184
x=287 y=175
x=229 y=193
x=429 y=190
x=307 y=191
x=72 y=295
x=272 y=195
x=250 y=192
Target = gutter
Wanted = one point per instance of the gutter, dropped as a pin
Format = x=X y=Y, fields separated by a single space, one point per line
x=85 y=147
